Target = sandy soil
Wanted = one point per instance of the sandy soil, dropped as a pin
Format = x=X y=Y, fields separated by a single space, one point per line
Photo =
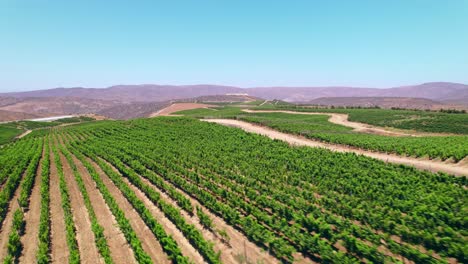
x=84 y=235
x=8 y=222
x=149 y=242
x=59 y=246
x=120 y=251
x=342 y=119
x=30 y=239
x=25 y=133
x=429 y=165
x=179 y=107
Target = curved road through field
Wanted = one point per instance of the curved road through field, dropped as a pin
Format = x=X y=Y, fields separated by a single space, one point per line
x=429 y=165
x=342 y=119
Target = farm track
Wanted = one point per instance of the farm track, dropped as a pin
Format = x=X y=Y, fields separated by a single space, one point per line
x=8 y=221
x=179 y=107
x=59 y=247
x=25 y=133
x=429 y=165
x=30 y=238
x=343 y=120
x=149 y=242
x=84 y=235
x=185 y=246
x=120 y=251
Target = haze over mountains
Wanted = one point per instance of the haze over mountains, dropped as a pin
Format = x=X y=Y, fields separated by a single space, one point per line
x=129 y=101
x=438 y=91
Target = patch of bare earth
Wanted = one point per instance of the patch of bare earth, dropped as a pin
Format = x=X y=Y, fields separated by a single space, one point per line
x=120 y=251
x=179 y=107
x=429 y=165
x=148 y=240
x=8 y=222
x=84 y=234
x=30 y=238
x=236 y=248
x=59 y=246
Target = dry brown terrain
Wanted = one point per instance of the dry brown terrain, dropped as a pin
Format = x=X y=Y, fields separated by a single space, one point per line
x=179 y=107
x=59 y=246
x=7 y=116
x=459 y=169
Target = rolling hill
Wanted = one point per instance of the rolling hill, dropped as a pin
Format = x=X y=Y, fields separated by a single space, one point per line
x=438 y=91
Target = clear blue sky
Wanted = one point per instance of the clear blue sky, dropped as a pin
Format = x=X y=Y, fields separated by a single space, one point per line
x=45 y=44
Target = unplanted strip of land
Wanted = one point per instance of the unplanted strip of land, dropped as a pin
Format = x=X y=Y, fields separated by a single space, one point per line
x=30 y=239
x=59 y=246
x=429 y=165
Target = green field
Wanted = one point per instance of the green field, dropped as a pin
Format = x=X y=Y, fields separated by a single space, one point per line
x=424 y=121
x=317 y=127
x=8 y=131
x=330 y=207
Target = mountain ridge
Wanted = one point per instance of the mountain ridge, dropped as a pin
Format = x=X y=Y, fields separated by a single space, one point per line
x=438 y=91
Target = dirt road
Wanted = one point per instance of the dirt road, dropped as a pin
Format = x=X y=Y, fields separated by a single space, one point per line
x=179 y=107
x=342 y=119
x=24 y=134
x=429 y=165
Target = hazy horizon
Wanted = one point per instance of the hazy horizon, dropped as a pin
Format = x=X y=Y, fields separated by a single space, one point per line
x=243 y=43
x=227 y=85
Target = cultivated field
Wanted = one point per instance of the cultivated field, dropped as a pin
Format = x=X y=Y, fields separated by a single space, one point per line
x=178 y=190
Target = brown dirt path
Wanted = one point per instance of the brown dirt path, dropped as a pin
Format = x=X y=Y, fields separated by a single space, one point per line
x=149 y=242
x=429 y=165
x=30 y=238
x=120 y=251
x=8 y=222
x=343 y=119
x=237 y=245
x=179 y=107
x=24 y=134
x=84 y=235
x=59 y=247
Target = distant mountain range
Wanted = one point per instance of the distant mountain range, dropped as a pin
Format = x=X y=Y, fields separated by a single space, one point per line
x=130 y=101
x=437 y=91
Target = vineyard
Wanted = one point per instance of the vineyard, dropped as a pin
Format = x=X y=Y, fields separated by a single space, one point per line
x=426 y=121
x=318 y=127
x=177 y=190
